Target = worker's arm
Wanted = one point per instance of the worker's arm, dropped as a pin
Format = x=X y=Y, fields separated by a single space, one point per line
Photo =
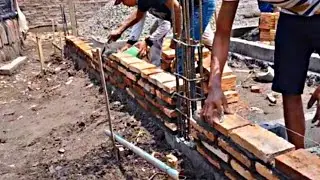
x=212 y=110
x=132 y=19
x=175 y=8
x=134 y=34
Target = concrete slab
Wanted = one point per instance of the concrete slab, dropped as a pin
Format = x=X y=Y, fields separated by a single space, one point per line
x=8 y=69
x=265 y=52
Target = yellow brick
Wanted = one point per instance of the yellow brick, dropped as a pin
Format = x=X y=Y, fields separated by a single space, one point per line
x=138 y=67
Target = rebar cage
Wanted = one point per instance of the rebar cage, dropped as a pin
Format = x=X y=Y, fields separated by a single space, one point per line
x=190 y=94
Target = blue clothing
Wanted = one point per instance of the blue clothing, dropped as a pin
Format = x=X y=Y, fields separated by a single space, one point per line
x=265 y=7
x=208 y=8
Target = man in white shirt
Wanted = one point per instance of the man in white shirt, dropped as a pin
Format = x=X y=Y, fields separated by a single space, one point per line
x=298 y=36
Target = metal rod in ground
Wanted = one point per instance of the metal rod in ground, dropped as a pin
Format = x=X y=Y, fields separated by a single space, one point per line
x=156 y=162
x=97 y=54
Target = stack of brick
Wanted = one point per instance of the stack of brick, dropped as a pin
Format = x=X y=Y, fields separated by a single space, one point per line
x=10 y=46
x=236 y=148
x=268 y=26
x=242 y=150
x=152 y=87
x=229 y=80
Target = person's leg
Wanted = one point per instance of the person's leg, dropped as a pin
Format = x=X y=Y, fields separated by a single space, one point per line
x=208 y=8
x=157 y=37
x=292 y=53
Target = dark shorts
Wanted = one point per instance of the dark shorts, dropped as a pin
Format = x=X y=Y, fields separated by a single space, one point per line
x=296 y=39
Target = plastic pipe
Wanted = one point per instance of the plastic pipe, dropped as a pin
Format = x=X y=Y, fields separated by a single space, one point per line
x=156 y=162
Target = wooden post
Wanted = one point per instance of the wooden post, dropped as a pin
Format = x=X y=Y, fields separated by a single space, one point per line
x=53 y=35
x=61 y=43
x=72 y=18
x=40 y=52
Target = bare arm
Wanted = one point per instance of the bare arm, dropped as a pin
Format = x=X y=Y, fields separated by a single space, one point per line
x=176 y=9
x=216 y=103
x=221 y=41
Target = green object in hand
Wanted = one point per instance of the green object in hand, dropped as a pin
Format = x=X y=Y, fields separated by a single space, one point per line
x=133 y=51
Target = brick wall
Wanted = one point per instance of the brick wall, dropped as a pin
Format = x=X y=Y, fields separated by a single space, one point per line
x=236 y=148
x=40 y=12
x=9 y=40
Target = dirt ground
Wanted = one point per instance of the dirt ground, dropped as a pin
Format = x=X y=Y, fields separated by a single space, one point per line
x=255 y=106
x=52 y=126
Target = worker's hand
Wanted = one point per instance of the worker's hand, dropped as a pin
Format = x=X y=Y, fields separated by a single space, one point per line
x=114 y=36
x=143 y=48
x=315 y=98
x=215 y=106
x=125 y=47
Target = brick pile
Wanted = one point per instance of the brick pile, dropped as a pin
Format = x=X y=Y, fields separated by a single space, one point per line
x=268 y=26
x=236 y=148
x=9 y=40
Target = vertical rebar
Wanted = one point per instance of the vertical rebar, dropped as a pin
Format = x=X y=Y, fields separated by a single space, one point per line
x=201 y=50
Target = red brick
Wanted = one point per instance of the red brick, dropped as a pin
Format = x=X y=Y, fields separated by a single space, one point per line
x=241 y=170
x=138 y=90
x=265 y=172
x=138 y=67
x=171 y=113
x=131 y=76
x=201 y=130
x=122 y=70
x=143 y=104
x=230 y=175
x=236 y=154
x=113 y=64
x=109 y=69
x=216 y=151
x=229 y=82
x=127 y=81
x=299 y=164
x=166 y=98
x=232 y=96
x=147 y=72
x=150 y=88
x=206 y=156
x=141 y=82
x=264 y=144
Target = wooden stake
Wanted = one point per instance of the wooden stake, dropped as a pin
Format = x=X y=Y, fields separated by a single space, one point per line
x=40 y=52
x=53 y=35
x=97 y=57
x=72 y=18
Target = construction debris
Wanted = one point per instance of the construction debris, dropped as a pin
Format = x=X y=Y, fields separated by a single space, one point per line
x=8 y=69
x=265 y=76
x=255 y=89
x=271 y=98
